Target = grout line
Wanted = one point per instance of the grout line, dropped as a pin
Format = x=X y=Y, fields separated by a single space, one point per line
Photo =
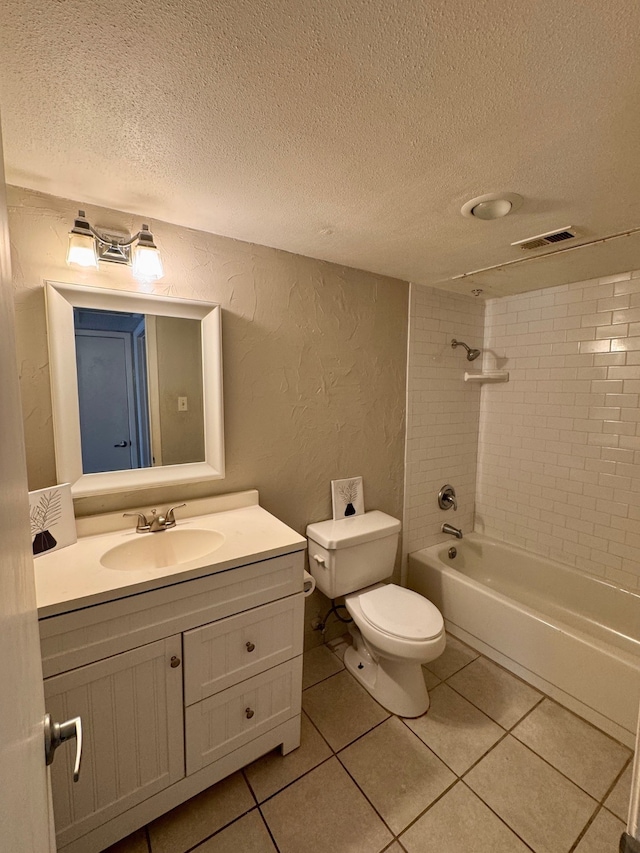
x=500 y=818
x=264 y=820
x=585 y=829
x=615 y=782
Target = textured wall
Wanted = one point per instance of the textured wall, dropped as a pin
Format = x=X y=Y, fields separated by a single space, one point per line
x=559 y=465
x=442 y=413
x=314 y=361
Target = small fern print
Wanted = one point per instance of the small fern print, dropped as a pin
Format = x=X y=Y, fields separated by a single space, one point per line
x=46 y=513
x=347 y=497
x=51 y=512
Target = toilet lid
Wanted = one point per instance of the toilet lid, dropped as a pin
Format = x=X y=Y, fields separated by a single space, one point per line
x=401 y=613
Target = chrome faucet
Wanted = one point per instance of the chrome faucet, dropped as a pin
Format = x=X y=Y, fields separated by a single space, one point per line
x=155 y=523
x=454 y=531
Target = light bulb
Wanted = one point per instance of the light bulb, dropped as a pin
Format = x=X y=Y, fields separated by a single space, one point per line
x=147 y=265
x=82 y=250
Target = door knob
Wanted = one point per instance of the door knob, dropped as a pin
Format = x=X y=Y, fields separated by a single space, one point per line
x=57 y=733
x=122 y=444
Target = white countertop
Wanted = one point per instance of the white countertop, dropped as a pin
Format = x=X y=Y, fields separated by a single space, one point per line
x=73 y=577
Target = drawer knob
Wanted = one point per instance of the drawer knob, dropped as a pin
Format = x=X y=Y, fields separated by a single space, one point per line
x=175 y=661
x=250 y=646
x=249 y=713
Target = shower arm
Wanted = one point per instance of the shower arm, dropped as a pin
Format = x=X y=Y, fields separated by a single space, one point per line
x=471 y=353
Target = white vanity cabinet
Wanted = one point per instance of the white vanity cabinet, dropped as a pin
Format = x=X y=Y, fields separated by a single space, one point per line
x=177 y=687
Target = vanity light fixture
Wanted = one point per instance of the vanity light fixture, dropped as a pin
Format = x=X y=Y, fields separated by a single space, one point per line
x=87 y=246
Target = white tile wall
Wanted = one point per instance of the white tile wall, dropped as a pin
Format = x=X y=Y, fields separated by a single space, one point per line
x=559 y=447
x=442 y=413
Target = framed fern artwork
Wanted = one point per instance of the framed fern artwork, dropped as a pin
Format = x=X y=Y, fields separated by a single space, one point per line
x=347 y=497
x=53 y=524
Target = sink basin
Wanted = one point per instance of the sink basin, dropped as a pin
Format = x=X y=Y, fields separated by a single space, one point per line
x=161 y=550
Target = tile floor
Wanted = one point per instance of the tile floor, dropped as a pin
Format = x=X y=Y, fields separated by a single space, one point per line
x=493 y=767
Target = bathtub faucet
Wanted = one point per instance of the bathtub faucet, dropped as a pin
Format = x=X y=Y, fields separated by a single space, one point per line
x=454 y=531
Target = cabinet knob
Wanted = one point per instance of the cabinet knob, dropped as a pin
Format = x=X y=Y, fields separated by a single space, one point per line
x=250 y=646
x=249 y=713
x=175 y=661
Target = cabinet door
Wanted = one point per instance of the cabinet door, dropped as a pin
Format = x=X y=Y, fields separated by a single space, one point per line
x=238 y=647
x=132 y=718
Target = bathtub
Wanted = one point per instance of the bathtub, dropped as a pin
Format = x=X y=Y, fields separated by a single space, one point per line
x=575 y=637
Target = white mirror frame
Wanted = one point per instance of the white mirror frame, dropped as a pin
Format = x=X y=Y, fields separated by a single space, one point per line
x=61 y=299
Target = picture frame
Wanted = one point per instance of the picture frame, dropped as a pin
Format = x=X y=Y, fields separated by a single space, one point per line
x=53 y=523
x=347 y=497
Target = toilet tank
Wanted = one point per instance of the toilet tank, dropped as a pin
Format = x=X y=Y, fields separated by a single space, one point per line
x=351 y=553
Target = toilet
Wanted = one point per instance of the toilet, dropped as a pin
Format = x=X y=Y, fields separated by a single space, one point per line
x=394 y=630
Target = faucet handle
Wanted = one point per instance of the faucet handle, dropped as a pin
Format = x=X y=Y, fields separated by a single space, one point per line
x=169 y=516
x=447 y=498
x=143 y=525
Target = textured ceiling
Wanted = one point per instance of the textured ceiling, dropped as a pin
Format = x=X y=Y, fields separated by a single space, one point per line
x=350 y=130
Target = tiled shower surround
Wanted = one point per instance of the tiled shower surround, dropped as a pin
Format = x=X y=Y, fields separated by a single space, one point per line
x=559 y=449
x=442 y=413
x=558 y=446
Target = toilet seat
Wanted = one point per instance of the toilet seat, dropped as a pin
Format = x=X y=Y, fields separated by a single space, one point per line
x=400 y=613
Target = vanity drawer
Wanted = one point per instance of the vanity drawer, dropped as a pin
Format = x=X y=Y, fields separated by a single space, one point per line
x=223 y=653
x=233 y=717
x=83 y=636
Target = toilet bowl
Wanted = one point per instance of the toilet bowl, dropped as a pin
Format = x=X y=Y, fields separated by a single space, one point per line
x=394 y=632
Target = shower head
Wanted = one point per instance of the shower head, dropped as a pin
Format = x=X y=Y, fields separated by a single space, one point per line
x=471 y=353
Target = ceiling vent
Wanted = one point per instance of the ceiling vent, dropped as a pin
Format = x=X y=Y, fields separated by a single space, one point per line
x=548 y=239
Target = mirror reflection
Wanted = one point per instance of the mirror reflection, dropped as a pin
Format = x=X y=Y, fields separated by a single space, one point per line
x=140 y=390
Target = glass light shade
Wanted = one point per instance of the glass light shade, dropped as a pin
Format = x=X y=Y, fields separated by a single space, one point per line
x=82 y=250
x=147 y=264
x=492 y=209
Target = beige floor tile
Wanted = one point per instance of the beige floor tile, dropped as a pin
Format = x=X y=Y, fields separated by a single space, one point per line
x=455 y=730
x=618 y=800
x=495 y=691
x=324 y=812
x=201 y=816
x=247 y=835
x=588 y=757
x=546 y=810
x=318 y=664
x=430 y=679
x=392 y=752
x=455 y=656
x=394 y=848
x=461 y=822
x=274 y=771
x=135 y=843
x=603 y=834
x=341 y=709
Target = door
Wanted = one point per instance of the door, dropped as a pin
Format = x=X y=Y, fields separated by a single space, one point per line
x=132 y=716
x=25 y=820
x=107 y=401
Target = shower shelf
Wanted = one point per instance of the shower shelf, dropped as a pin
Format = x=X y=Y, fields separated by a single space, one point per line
x=489 y=376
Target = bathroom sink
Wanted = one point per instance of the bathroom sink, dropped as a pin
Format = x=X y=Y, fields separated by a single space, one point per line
x=161 y=550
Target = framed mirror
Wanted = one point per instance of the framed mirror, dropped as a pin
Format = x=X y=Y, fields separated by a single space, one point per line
x=136 y=387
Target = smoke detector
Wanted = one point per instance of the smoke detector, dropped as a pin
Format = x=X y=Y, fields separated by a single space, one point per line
x=491 y=206
x=549 y=238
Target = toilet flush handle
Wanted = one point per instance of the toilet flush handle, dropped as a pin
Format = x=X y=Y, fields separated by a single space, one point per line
x=319 y=560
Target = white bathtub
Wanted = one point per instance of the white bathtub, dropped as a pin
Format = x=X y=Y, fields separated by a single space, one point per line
x=574 y=637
